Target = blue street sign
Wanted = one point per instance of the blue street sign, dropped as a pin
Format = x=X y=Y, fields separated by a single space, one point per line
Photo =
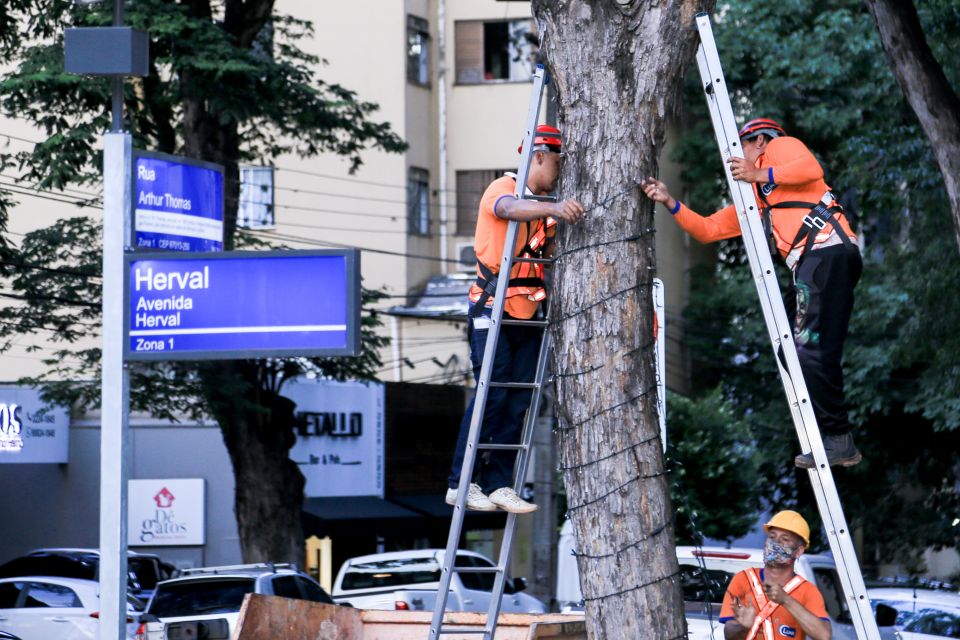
x=177 y=203
x=242 y=304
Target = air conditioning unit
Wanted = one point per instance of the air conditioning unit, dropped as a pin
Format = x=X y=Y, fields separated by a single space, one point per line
x=466 y=257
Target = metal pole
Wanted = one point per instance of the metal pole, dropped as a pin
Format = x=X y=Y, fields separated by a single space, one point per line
x=115 y=382
x=114 y=393
x=442 y=133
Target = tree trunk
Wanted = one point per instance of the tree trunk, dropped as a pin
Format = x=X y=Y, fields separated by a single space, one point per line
x=926 y=88
x=618 y=68
x=257 y=428
x=257 y=424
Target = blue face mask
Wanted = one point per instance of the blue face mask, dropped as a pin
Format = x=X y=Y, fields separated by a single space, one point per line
x=775 y=553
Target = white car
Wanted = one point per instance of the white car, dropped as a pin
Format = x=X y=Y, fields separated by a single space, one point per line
x=205 y=602
x=922 y=614
x=44 y=607
x=408 y=580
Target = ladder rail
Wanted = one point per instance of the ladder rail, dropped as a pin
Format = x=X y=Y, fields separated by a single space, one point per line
x=821 y=477
x=520 y=474
x=483 y=383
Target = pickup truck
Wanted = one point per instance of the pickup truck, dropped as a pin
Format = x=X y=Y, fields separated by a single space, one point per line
x=408 y=580
x=705 y=574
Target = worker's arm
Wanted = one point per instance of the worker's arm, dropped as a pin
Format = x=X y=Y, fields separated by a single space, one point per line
x=719 y=226
x=512 y=208
x=815 y=628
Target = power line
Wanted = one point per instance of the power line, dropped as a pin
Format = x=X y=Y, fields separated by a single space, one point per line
x=22 y=191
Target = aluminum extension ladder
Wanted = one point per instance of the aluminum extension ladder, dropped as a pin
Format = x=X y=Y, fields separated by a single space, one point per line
x=474 y=446
x=785 y=353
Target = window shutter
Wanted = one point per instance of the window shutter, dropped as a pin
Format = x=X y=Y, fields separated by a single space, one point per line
x=469 y=51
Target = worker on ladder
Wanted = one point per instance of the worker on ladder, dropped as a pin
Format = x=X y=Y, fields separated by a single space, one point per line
x=774 y=603
x=515 y=359
x=808 y=228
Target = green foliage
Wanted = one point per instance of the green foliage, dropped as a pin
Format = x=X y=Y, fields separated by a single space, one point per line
x=715 y=469
x=228 y=83
x=819 y=69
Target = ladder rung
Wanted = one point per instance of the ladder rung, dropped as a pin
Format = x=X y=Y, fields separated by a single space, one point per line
x=529 y=323
x=540 y=198
x=534 y=260
x=477 y=569
x=514 y=385
x=501 y=447
x=461 y=630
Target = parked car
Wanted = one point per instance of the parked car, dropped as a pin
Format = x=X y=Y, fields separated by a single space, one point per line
x=145 y=569
x=921 y=613
x=46 y=607
x=205 y=602
x=408 y=580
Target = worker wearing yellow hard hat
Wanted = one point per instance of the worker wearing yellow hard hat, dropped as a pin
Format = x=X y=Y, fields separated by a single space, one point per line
x=774 y=602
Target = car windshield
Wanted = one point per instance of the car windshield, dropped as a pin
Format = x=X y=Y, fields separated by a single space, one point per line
x=46 y=564
x=703 y=585
x=935 y=622
x=146 y=571
x=191 y=597
x=391 y=573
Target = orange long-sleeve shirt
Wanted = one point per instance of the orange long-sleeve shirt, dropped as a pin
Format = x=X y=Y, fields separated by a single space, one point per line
x=793 y=174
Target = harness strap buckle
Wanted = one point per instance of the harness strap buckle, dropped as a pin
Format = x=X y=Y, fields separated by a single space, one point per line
x=814 y=221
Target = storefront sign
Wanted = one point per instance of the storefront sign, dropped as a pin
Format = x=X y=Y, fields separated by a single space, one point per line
x=166 y=512
x=177 y=203
x=339 y=437
x=31 y=432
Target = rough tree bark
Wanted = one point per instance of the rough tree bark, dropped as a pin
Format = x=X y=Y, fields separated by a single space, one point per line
x=257 y=426
x=618 y=66
x=926 y=88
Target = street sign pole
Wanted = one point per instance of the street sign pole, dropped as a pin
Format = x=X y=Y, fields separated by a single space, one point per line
x=115 y=387
x=114 y=378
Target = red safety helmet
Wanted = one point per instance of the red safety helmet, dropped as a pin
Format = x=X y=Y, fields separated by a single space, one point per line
x=548 y=136
x=761 y=125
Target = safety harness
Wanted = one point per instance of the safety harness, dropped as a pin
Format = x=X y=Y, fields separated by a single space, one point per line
x=821 y=214
x=534 y=285
x=767 y=607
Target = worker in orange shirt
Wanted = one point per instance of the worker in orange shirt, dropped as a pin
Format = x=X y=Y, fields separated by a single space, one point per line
x=774 y=603
x=807 y=227
x=518 y=346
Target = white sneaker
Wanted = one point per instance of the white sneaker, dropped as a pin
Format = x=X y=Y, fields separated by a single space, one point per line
x=508 y=500
x=476 y=499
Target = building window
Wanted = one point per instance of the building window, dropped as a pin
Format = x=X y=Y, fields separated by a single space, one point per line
x=500 y=51
x=418 y=51
x=255 y=210
x=470 y=188
x=418 y=202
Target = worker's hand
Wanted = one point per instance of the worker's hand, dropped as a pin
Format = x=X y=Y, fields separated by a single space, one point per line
x=775 y=592
x=743 y=171
x=744 y=614
x=568 y=210
x=658 y=192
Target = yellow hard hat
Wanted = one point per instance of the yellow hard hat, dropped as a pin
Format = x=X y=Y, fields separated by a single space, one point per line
x=790 y=521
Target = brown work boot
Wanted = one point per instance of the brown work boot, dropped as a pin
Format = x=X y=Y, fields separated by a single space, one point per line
x=841 y=452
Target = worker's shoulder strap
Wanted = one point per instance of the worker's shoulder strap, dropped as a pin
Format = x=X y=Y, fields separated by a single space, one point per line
x=767 y=607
